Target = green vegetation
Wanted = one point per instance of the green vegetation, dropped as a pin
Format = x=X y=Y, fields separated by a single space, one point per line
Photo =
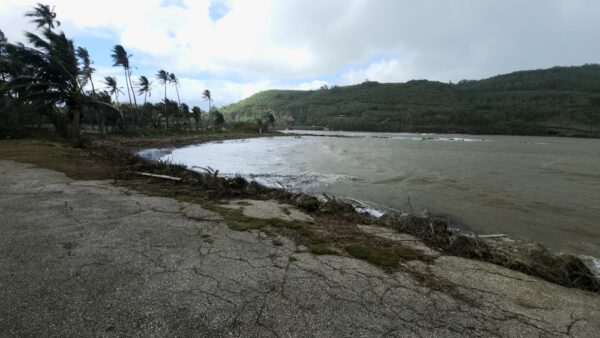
x=560 y=100
x=46 y=86
x=382 y=255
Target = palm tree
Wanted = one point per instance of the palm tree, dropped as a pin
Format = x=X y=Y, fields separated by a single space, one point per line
x=87 y=69
x=207 y=96
x=173 y=79
x=3 y=42
x=121 y=58
x=197 y=116
x=113 y=88
x=163 y=77
x=47 y=75
x=43 y=16
x=144 y=87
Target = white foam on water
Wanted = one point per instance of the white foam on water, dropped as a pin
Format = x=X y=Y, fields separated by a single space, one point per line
x=370 y=211
x=593 y=263
x=154 y=154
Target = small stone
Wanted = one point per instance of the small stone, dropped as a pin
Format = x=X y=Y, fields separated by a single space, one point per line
x=301 y=248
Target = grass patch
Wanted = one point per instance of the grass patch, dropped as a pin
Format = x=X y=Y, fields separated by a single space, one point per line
x=382 y=256
x=321 y=249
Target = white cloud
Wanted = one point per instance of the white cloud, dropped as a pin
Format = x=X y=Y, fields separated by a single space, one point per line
x=388 y=70
x=263 y=43
x=315 y=84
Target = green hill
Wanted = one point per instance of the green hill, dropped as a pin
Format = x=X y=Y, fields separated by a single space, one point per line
x=555 y=101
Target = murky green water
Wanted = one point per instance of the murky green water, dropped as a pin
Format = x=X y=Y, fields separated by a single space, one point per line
x=541 y=189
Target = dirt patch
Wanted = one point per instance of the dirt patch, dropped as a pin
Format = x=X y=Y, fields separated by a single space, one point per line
x=75 y=163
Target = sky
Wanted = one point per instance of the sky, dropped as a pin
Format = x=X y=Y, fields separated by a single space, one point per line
x=236 y=48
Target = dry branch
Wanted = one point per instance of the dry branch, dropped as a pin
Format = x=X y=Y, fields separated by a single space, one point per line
x=158 y=176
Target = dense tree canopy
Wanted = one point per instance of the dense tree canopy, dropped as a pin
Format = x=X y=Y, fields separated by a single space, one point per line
x=563 y=100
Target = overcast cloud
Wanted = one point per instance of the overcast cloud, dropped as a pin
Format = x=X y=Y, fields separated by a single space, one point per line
x=239 y=47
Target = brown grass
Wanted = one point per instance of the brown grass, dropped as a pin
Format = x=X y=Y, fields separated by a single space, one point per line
x=75 y=163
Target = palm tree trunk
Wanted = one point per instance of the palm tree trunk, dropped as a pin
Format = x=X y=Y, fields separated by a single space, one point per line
x=166 y=116
x=73 y=109
x=127 y=84
x=143 y=107
x=118 y=106
x=177 y=90
x=93 y=89
x=132 y=91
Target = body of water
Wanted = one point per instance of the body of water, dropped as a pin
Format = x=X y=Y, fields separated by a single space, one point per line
x=540 y=189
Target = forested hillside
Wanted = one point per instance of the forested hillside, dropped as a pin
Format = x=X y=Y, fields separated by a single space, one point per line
x=559 y=100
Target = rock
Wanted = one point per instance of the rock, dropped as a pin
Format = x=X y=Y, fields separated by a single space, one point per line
x=306 y=202
x=430 y=230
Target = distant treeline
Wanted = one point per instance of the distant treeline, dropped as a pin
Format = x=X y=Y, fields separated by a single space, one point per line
x=555 y=101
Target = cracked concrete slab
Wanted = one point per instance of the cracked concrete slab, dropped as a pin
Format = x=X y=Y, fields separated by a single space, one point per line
x=406 y=239
x=269 y=209
x=89 y=259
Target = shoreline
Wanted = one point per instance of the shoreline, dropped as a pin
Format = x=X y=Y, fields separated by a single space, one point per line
x=120 y=158
x=456 y=226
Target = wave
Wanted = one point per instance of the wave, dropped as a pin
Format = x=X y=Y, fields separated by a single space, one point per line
x=294 y=182
x=154 y=154
x=395 y=136
x=593 y=263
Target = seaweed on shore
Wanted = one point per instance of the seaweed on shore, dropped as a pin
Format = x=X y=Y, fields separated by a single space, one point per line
x=532 y=259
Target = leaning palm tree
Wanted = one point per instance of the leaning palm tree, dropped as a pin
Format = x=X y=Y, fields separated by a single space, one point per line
x=86 y=69
x=113 y=88
x=47 y=75
x=144 y=88
x=43 y=16
x=173 y=80
x=163 y=77
x=207 y=96
x=121 y=58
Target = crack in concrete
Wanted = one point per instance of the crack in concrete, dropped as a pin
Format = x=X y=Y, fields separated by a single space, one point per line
x=157 y=273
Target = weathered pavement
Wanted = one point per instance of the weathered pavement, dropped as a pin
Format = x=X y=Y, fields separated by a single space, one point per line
x=83 y=258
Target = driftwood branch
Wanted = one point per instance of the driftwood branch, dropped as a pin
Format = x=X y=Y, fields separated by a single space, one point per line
x=492 y=236
x=158 y=176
